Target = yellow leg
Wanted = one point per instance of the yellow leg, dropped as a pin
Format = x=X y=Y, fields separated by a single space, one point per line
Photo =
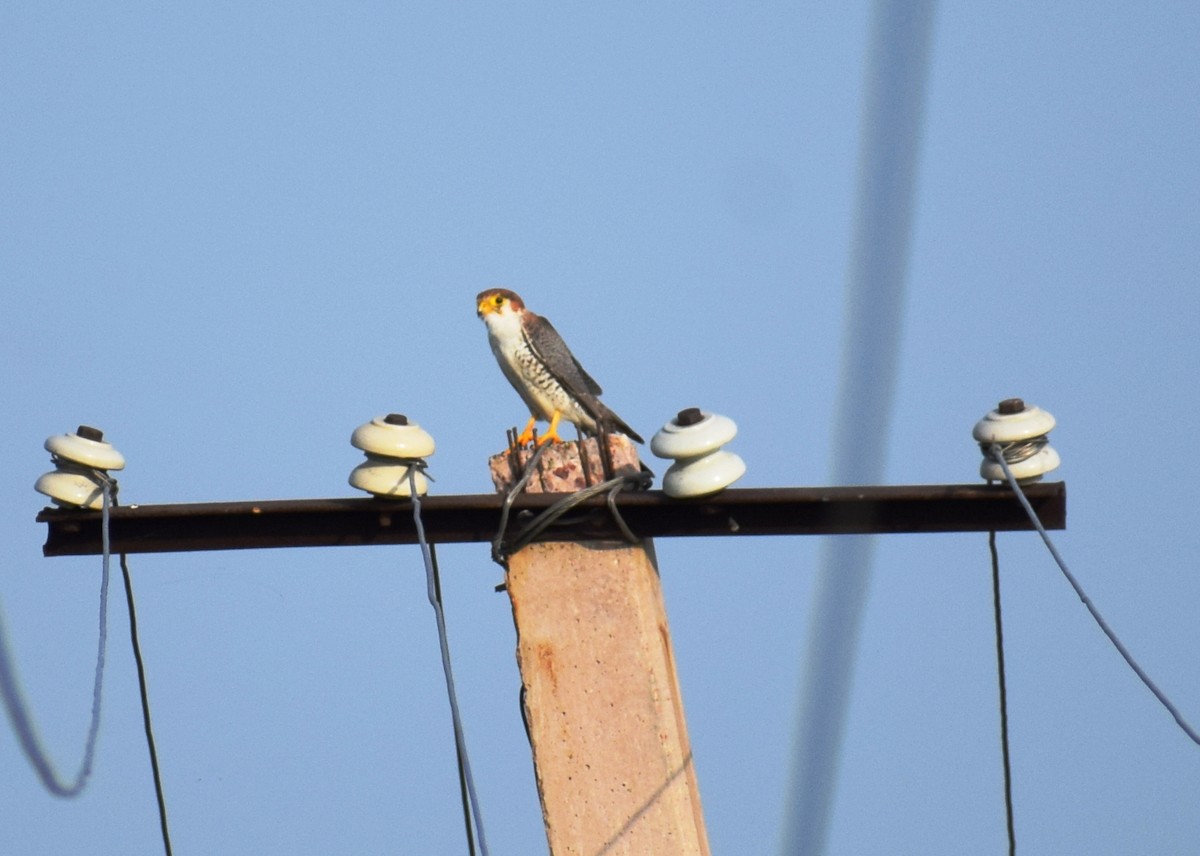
x=527 y=435
x=551 y=435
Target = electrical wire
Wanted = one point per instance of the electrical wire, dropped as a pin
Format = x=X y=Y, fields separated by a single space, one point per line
x=893 y=114
x=159 y=795
x=18 y=709
x=544 y=520
x=433 y=588
x=498 y=551
x=1008 y=801
x=460 y=756
x=997 y=453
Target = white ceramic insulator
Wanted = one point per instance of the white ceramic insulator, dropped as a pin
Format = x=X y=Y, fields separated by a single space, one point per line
x=1002 y=428
x=689 y=441
x=1027 y=471
x=88 y=453
x=385 y=477
x=73 y=487
x=707 y=474
x=383 y=439
x=701 y=467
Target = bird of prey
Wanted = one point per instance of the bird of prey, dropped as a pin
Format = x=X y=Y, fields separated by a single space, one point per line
x=542 y=369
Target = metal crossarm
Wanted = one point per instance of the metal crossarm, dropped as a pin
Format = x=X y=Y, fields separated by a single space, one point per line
x=475 y=517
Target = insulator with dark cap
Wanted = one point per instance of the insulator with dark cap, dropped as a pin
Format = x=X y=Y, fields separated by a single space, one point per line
x=694 y=439
x=393 y=446
x=1021 y=431
x=80 y=460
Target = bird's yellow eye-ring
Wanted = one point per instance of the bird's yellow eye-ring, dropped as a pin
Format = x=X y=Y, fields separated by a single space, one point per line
x=498 y=300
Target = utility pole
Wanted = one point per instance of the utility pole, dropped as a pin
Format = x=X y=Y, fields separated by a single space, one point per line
x=600 y=693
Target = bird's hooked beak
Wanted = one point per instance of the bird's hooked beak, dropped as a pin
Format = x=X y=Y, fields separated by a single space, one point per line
x=487 y=306
x=497 y=301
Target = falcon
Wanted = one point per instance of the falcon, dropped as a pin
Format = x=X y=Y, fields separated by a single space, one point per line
x=542 y=369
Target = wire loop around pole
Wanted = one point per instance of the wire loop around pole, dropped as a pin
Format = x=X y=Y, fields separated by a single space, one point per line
x=501 y=548
x=547 y=518
x=499 y=553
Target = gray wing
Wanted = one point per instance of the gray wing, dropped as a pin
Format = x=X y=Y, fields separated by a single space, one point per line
x=555 y=355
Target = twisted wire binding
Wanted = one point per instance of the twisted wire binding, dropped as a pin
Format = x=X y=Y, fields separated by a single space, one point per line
x=433 y=589
x=997 y=453
x=18 y=708
x=1018 y=450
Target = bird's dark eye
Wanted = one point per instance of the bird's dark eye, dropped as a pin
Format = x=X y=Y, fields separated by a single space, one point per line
x=498 y=299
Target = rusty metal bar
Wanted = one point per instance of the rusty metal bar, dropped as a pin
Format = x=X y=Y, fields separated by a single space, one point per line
x=475 y=517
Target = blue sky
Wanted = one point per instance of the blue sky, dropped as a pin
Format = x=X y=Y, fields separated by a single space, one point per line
x=231 y=234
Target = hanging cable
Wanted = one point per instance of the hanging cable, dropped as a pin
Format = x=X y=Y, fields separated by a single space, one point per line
x=998 y=454
x=18 y=709
x=1008 y=802
x=433 y=587
x=159 y=795
x=460 y=756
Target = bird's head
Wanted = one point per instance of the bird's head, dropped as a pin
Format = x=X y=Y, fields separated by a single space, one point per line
x=498 y=301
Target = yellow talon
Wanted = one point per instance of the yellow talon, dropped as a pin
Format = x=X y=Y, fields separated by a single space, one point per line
x=527 y=435
x=551 y=435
